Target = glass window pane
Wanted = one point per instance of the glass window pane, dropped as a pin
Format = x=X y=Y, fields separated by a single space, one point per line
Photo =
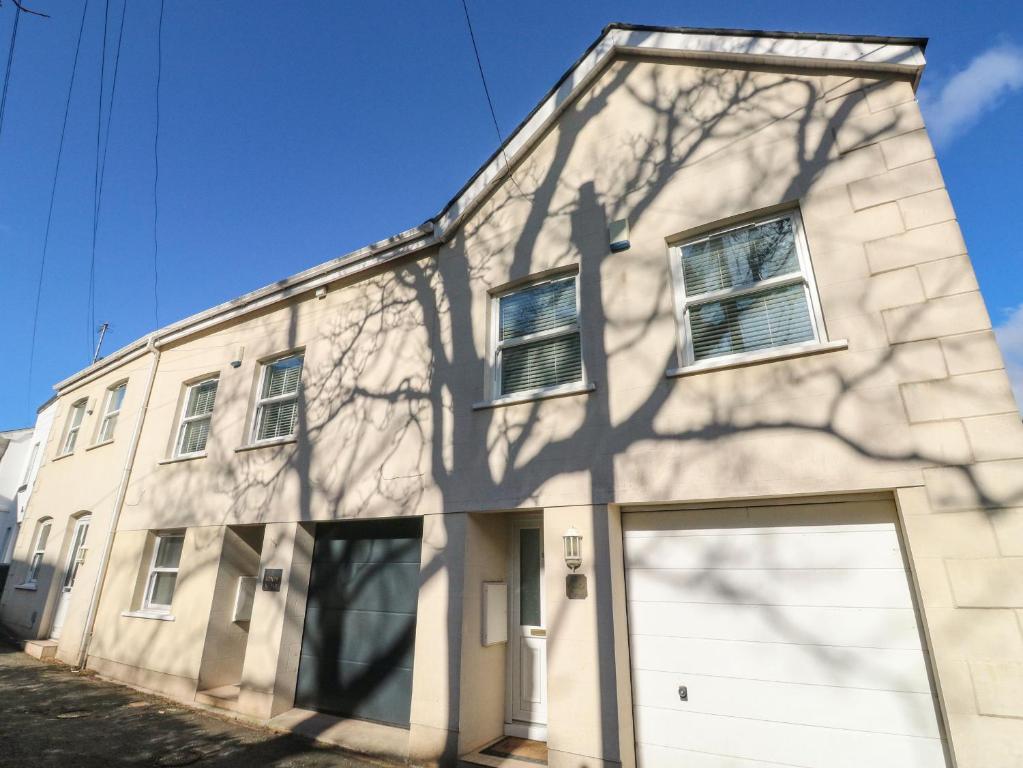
x=201 y=398
x=540 y=308
x=116 y=398
x=277 y=419
x=770 y=318
x=529 y=577
x=282 y=376
x=77 y=414
x=541 y=364
x=33 y=569
x=44 y=535
x=168 y=553
x=194 y=435
x=740 y=257
x=162 y=588
x=107 y=432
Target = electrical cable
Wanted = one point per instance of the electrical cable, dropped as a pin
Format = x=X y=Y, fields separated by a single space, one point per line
x=10 y=66
x=479 y=65
x=53 y=197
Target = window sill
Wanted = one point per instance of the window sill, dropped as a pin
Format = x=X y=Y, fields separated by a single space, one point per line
x=63 y=456
x=100 y=445
x=764 y=356
x=266 y=444
x=567 y=390
x=26 y=587
x=154 y=615
x=177 y=459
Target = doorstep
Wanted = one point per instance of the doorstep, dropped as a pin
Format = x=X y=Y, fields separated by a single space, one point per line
x=222 y=697
x=41 y=649
x=509 y=752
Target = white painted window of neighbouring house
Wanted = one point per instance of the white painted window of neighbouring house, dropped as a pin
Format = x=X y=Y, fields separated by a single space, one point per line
x=536 y=346
x=73 y=427
x=111 y=410
x=30 y=465
x=277 y=405
x=163 y=571
x=35 y=562
x=196 y=417
x=746 y=289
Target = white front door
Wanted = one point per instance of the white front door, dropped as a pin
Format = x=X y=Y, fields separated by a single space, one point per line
x=75 y=558
x=527 y=651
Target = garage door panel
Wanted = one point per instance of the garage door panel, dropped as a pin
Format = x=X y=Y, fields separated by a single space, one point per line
x=794 y=630
x=780 y=743
x=895 y=712
x=881 y=669
x=855 y=547
x=361 y=636
x=858 y=627
x=367 y=691
x=877 y=588
x=785 y=517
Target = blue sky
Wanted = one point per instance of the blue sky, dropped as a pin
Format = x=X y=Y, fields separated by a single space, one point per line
x=291 y=133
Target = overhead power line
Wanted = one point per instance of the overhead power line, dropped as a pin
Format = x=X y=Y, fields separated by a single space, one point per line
x=53 y=196
x=10 y=66
x=483 y=77
x=91 y=304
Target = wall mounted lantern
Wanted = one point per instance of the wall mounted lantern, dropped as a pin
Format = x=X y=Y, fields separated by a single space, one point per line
x=573 y=548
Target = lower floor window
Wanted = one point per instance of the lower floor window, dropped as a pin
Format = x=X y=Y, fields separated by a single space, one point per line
x=163 y=573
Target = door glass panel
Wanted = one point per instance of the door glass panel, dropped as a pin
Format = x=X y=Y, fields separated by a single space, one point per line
x=79 y=542
x=529 y=577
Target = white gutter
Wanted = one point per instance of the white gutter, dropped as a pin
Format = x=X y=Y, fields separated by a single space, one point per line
x=122 y=490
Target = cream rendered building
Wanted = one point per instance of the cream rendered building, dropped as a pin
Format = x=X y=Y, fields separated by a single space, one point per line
x=709 y=309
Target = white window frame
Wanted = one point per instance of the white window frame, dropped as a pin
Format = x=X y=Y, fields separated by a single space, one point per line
x=72 y=429
x=185 y=419
x=261 y=401
x=497 y=345
x=110 y=413
x=804 y=277
x=31 y=463
x=34 y=565
x=147 y=602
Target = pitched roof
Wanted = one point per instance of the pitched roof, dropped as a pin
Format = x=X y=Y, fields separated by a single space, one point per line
x=868 y=54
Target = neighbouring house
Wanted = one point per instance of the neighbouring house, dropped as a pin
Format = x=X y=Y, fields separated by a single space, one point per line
x=21 y=453
x=15 y=446
x=679 y=436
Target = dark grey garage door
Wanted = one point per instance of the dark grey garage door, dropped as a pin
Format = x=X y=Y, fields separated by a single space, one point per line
x=360 y=621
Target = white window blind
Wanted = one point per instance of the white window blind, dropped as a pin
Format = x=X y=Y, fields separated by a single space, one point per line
x=746 y=289
x=115 y=398
x=538 y=344
x=163 y=573
x=277 y=408
x=74 y=424
x=196 y=417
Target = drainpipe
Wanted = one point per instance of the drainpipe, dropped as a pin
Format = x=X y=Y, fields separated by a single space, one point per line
x=122 y=491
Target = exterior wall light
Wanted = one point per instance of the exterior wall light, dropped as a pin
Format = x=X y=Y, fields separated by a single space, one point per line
x=573 y=548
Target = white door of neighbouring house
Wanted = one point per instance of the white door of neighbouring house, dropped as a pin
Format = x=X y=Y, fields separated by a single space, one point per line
x=776 y=636
x=75 y=558
x=527 y=634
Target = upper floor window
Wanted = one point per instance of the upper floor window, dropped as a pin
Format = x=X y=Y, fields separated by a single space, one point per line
x=38 y=550
x=31 y=465
x=277 y=405
x=745 y=289
x=163 y=571
x=74 y=425
x=537 y=344
x=111 y=410
x=196 y=416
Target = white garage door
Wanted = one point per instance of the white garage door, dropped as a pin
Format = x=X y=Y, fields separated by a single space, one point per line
x=793 y=631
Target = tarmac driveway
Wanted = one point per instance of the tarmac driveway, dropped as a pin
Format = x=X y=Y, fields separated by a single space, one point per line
x=53 y=717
